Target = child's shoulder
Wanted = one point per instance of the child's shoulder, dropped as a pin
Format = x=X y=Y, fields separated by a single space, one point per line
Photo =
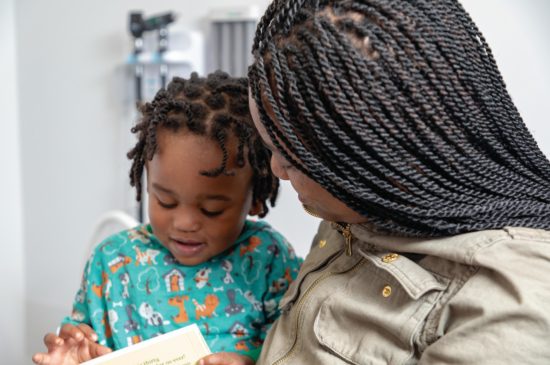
x=260 y=228
x=119 y=241
x=265 y=237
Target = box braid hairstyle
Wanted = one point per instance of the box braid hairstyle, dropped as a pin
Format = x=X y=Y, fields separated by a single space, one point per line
x=216 y=107
x=398 y=109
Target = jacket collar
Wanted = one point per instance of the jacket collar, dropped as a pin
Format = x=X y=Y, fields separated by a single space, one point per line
x=458 y=248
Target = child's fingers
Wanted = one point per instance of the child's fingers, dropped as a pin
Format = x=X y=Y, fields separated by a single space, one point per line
x=214 y=359
x=71 y=331
x=41 y=358
x=88 y=332
x=51 y=341
x=226 y=358
x=97 y=350
x=37 y=358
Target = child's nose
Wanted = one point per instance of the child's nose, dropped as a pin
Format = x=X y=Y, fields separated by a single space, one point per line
x=186 y=221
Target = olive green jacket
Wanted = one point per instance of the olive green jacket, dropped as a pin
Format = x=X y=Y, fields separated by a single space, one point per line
x=475 y=298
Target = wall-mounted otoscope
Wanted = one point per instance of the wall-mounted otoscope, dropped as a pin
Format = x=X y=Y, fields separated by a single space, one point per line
x=139 y=25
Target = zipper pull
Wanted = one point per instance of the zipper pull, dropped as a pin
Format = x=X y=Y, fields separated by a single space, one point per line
x=346 y=232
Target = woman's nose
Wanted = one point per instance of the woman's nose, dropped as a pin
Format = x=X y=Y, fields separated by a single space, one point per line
x=278 y=169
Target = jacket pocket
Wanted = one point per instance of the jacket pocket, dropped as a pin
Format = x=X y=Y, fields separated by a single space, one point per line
x=376 y=317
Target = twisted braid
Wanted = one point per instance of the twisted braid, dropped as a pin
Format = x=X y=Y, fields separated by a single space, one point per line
x=216 y=107
x=398 y=109
x=279 y=16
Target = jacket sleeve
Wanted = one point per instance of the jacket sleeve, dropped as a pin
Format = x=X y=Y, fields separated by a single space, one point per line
x=501 y=315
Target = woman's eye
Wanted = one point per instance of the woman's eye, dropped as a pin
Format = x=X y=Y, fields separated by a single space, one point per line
x=284 y=162
x=285 y=165
x=210 y=213
x=166 y=205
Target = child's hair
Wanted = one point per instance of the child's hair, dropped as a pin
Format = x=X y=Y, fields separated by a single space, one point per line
x=398 y=109
x=215 y=107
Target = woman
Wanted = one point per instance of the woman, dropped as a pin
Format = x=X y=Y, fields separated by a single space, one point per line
x=393 y=124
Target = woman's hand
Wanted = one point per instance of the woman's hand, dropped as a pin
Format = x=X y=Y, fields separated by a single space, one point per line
x=226 y=358
x=75 y=344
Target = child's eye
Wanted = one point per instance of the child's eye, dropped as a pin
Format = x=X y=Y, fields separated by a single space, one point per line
x=210 y=213
x=166 y=205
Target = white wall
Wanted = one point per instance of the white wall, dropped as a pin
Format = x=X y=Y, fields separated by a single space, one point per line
x=518 y=32
x=12 y=273
x=72 y=106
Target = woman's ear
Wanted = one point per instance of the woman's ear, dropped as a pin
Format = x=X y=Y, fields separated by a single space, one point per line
x=256 y=208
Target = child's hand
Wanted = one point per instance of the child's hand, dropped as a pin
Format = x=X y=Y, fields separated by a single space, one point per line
x=75 y=344
x=226 y=358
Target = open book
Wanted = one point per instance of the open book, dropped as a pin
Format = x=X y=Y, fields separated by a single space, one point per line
x=184 y=346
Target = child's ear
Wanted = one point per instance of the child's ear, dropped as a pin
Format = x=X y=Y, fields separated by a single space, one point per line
x=256 y=208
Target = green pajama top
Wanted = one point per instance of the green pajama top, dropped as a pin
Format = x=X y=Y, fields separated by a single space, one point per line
x=133 y=289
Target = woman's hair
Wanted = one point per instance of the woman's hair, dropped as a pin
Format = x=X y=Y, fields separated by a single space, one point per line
x=398 y=109
x=215 y=107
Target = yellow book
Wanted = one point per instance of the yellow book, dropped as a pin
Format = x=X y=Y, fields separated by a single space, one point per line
x=184 y=346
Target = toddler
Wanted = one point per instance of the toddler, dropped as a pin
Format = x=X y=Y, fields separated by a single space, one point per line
x=200 y=260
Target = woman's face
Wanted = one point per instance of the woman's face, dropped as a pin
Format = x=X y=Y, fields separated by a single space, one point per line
x=312 y=195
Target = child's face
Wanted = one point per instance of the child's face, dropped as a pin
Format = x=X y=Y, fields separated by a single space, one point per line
x=196 y=217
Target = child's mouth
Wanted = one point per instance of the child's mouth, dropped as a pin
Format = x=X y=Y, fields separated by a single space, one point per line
x=187 y=248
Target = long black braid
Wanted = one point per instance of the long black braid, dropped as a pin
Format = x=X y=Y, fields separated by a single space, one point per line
x=398 y=109
x=216 y=107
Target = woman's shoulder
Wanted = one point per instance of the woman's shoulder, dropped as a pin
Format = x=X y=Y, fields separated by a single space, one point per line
x=505 y=296
x=512 y=243
x=521 y=252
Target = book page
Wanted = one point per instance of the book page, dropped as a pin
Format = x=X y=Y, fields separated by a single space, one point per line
x=184 y=346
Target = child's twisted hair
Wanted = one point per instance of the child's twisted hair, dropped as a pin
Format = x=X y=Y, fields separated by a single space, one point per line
x=398 y=109
x=215 y=106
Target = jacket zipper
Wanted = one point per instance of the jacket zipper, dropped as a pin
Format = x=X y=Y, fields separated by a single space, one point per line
x=301 y=302
x=346 y=232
